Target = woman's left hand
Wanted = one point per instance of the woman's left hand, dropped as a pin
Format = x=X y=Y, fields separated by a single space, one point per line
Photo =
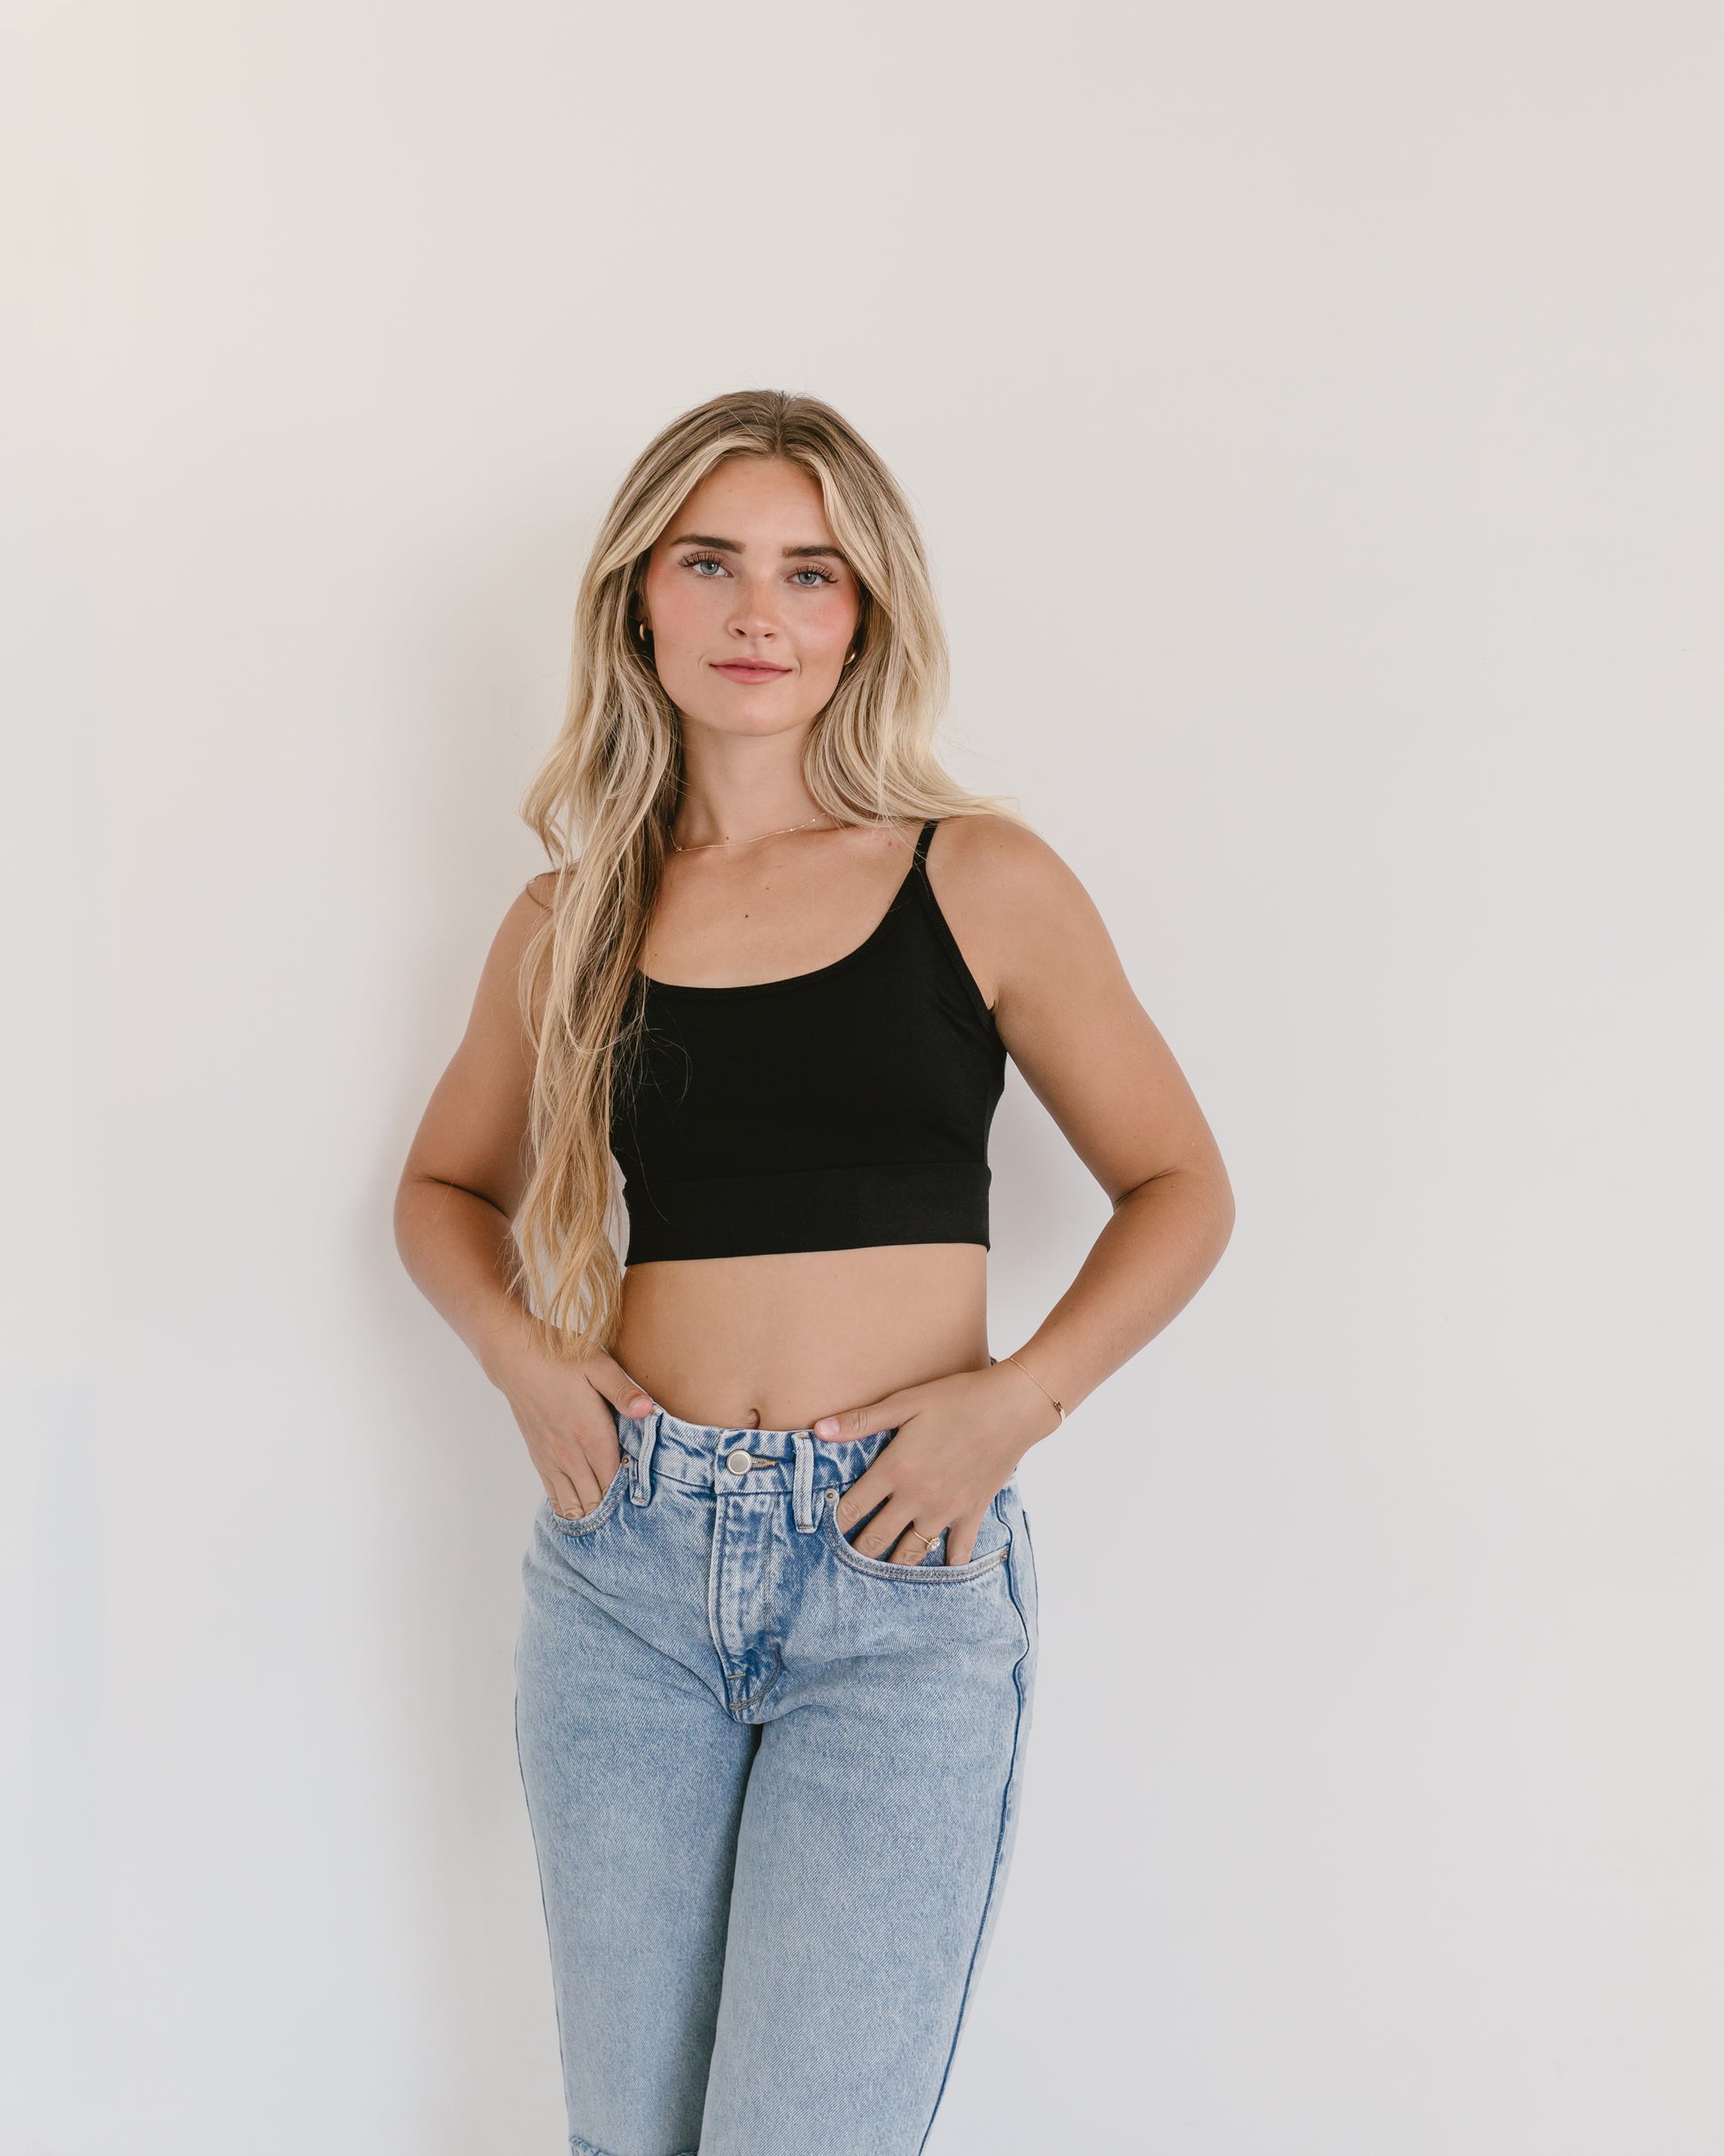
x=959 y=1440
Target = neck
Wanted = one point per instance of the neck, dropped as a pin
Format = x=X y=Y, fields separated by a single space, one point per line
x=738 y=787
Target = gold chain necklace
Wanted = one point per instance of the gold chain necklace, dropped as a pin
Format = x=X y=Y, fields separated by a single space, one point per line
x=706 y=844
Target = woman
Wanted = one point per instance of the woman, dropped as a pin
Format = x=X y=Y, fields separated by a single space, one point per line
x=774 y=1667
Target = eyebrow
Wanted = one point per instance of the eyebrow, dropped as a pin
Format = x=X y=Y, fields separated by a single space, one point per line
x=731 y=546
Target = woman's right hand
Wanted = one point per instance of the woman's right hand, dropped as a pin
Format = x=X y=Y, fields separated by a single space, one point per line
x=564 y=1413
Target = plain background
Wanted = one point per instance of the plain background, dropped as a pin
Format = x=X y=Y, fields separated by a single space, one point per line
x=1314 y=410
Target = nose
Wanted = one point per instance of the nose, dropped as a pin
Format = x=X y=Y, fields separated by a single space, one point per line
x=755 y=614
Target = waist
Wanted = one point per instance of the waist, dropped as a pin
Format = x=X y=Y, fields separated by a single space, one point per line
x=794 y=1335
x=701 y=1454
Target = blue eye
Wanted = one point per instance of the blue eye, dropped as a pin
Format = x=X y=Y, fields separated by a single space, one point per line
x=701 y=562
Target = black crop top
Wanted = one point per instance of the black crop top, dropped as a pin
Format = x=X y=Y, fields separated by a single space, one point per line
x=830 y=1111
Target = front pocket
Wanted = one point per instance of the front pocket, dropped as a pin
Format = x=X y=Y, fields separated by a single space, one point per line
x=601 y=1512
x=905 y=1576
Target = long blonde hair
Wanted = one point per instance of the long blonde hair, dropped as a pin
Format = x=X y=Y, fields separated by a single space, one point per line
x=606 y=797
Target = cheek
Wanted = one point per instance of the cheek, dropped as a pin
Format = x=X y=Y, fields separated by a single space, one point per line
x=829 y=621
x=680 y=609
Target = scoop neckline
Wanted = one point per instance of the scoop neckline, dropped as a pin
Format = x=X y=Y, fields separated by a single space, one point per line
x=789 y=980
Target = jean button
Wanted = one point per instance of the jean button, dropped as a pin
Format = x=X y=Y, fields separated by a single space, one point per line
x=739 y=1462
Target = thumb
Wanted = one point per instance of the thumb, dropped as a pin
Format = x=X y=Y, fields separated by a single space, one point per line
x=862 y=1422
x=611 y=1382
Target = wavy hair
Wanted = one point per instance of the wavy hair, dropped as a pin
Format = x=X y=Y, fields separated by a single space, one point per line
x=605 y=799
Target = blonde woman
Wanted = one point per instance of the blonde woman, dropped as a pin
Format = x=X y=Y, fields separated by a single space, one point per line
x=774 y=1667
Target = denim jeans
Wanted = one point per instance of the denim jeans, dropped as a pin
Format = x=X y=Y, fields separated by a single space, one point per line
x=772 y=1785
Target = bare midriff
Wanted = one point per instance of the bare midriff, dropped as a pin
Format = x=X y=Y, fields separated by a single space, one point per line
x=773 y=1343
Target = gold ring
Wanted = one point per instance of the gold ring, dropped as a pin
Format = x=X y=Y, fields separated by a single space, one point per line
x=926 y=1541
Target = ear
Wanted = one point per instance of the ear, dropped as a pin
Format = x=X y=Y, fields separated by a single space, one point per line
x=635 y=610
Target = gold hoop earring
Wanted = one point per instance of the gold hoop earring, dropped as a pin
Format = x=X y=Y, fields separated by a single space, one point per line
x=640 y=631
x=850 y=657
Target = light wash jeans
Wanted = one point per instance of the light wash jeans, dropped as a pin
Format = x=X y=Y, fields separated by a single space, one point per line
x=772 y=1785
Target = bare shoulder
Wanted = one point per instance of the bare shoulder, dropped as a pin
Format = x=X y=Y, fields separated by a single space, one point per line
x=542 y=889
x=1011 y=901
x=496 y=1006
x=528 y=911
x=1001 y=862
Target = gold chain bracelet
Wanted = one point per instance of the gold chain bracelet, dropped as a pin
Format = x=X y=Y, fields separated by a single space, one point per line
x=1037 y=1383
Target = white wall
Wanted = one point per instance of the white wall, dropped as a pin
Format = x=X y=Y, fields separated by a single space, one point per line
x=1314 y=410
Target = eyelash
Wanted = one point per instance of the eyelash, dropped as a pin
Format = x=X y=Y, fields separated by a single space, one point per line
x=693 y=561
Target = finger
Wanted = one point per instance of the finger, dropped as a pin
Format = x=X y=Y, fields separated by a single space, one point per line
x=882 y=1531
x=605 y=1458
x=563 y=1497
x=914 y=1542
x=864 y=1494
x=609 y=1379
x=960 y=1536
x=861 y=1422
x=582 y=1478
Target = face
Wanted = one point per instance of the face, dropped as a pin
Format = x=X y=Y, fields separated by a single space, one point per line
x=749 y=604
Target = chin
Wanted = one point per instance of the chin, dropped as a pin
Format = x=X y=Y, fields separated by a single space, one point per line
x=751 y=710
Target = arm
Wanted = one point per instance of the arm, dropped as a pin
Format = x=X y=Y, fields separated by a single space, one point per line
x=1092 y=1056
x=459 y=1192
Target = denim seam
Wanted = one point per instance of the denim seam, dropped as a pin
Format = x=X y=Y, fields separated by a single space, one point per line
x=714 y=1615
x=572 y=1531
x=999 y=1844
x=745 y=1708
x=914 y=1576
x=804 y=1512
x=662 y=1474
x=706 y=1482
x=641 y=1462
x=739 y=1710
x=752 y=1705
x=544 y=1899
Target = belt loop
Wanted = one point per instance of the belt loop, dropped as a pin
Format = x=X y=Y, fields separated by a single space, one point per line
x=641 y=1476
x=802 y=1505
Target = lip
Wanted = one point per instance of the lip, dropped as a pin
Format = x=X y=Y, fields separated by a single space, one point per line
x=749 y=670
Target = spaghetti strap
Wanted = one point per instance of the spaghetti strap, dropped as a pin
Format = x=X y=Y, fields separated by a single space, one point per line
x=941 y=929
